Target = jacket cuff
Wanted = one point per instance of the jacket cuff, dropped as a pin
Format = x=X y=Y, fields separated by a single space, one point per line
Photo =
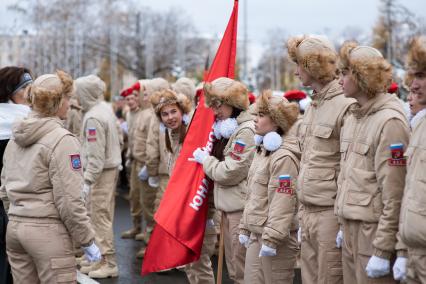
x=245 y=232
x=269 y=244
x=402 y=253
x=382 y=253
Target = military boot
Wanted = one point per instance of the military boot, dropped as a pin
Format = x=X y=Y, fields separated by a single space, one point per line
x=92 y=266
x=108 y=268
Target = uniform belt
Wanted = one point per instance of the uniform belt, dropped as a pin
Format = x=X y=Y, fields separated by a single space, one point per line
x=315 y=208
x=34 y=220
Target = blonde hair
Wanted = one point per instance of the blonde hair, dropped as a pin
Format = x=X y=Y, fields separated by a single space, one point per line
x=46 y=94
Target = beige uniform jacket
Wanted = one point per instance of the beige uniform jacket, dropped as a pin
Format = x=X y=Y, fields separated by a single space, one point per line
x=320 y=142
x=131 y=119
x=230 y=175
x=100 y=142
x=140 y=135
x=271 y=209
x=413 y=211
x=42 y=176
x=371 y=180
x=158 y=157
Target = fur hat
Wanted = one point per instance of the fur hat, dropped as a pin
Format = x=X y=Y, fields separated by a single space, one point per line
x=416 y=59
x=316 y=54
x=281 y=111
x=156 y=84
x=185 y=86
x=168 y=97
x=227 y=91
x=372 y=73
x=46 y=93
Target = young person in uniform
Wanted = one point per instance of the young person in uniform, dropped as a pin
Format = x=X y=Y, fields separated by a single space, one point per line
x=371 y=180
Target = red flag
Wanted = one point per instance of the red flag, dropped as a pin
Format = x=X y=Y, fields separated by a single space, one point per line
x=181 y=218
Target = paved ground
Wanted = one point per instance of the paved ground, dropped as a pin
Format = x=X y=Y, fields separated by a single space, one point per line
x=130 y=267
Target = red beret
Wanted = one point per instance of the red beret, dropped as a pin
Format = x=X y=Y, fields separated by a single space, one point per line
x=393 y=88
x=252 y=98
x=136 y=86
x=295 y=95
x=198 y=92
x=126 y=92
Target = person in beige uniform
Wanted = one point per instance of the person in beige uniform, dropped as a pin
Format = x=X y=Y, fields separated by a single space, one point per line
x=142 y=154
x=172 y=111
x=229 y=163
x=316 y=61
x=42 y=179
x=132 y=101
x=269 y=224
x=74 y=118
x=373 y=168
x=101 y=157
x=412 y=219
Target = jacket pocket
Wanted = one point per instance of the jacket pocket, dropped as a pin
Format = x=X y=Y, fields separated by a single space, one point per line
x=322 y=131
x=62 y=262
x=414 y=234
x=360 y=206
x=321 y=174
x=358 y=198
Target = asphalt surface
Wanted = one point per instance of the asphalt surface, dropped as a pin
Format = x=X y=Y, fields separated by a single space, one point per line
x=130 y=266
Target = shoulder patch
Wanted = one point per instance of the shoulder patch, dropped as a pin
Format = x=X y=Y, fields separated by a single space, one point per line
x=397 y=155
x=239 y=147
x=285 y=185
x=75 y=162
x=91 y=134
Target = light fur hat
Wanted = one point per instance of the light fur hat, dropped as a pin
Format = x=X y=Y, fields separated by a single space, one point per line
x=370 y=70
x=185 y=86
x=47 y=91
x=156 y=84
x=416 y=59
x=316 y=54
x=226 y=91
x=89 y=90
x=281 y=111
x=166 y=97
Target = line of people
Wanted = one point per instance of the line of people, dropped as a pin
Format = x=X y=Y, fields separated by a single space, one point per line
x=341 y=185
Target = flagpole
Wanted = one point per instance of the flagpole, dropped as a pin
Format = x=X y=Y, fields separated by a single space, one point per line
x=220 y=260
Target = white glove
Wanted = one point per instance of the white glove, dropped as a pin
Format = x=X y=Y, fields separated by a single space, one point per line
x=339 y=239
x=154 y=181
x=209 y=223
x=200 y=155
x=299 y=235
x=92 y=253
x=400 y=268
x=128 y=164
x=143 y=174
x=377 y=267
x=85 y=192
x=267 y=251
x=244 y=240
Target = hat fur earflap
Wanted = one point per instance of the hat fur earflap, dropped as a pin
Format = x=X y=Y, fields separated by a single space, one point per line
x=168 y=97
x=46 y=94
x=226 y=91
x=281 y=111
x=370 y=70
x=316 y=55
x=416 y=59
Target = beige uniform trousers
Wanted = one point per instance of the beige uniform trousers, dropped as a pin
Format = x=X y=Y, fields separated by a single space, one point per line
x=270 y=269
x=416 y=266
x=135 y=194
x=235 y=253
x=147 y=200
x=201 y=271
x=40 y=251
x=164 y=181
x=101 y=206
x=321 y=261
x=357 y=248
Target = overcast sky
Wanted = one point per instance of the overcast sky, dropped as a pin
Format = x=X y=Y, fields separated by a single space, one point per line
x=294 y=16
